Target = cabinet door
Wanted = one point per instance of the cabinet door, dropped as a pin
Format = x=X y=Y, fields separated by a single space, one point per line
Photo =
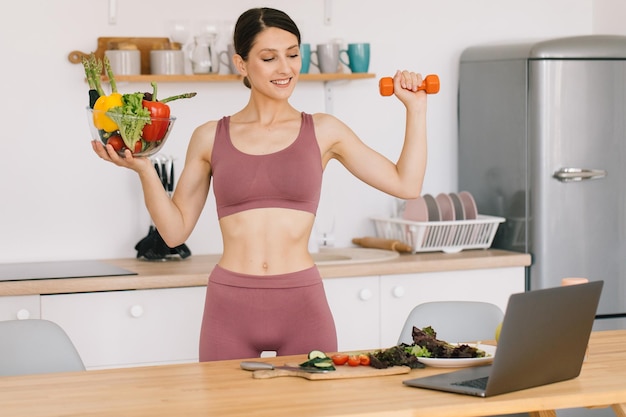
x=19 y=307
x=355 y=303
x=126 y=328
x=400 y=293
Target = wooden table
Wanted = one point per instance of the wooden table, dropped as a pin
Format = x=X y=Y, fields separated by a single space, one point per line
x=223 y=389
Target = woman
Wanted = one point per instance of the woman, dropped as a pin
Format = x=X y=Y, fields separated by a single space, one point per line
x=266 y=161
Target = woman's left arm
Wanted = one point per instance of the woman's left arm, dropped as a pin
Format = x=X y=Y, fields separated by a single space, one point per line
x=402 y=179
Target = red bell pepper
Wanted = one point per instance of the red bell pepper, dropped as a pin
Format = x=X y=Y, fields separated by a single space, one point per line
x=159 y=118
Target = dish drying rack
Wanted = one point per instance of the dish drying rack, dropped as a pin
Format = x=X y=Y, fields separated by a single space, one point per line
x=447 y=236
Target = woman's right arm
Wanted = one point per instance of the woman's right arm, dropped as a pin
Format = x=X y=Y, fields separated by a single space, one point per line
x=174 y=218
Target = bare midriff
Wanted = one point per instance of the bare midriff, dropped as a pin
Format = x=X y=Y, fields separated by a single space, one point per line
x=266 y=241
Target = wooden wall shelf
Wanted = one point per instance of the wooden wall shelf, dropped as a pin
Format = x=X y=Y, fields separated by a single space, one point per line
x=147 y=78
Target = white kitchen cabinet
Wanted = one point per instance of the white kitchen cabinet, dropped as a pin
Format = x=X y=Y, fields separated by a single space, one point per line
x=20 y=307
x=355 y=304
x=130 y=328
x=400 y=293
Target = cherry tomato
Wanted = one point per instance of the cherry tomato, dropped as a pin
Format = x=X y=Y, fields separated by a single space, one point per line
x=354 y=360
x=117 y=142
x=364 y=360
x=340 y=359
x=138 y=146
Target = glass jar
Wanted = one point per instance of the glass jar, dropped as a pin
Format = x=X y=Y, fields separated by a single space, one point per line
x=204 y=55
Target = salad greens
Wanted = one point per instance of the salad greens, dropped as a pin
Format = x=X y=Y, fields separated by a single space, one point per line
x=426 y=345
x=131 y=117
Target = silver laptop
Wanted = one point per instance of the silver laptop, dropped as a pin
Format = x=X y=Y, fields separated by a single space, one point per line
x=543 y=340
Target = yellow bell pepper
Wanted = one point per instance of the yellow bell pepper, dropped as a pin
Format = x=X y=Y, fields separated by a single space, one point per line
x=102 y=105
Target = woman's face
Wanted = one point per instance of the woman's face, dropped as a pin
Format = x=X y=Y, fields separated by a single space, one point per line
x=273 y=63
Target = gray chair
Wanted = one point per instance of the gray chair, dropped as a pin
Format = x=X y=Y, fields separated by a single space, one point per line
x=36 y=346
x=454 y=321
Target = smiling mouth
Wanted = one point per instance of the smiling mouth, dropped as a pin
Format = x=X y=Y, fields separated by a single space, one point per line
x=282 y=82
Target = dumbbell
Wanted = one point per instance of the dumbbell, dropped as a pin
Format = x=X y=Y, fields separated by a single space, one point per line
x=430 y=85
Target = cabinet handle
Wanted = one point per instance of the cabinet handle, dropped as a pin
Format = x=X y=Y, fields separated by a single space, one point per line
x=136 y=311
x=398 y=291
x=365 y=294
x=23 y=314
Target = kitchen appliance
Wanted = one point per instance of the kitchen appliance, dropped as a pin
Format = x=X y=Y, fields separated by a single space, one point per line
x=542 y=143
x=514 y=367
x=59 y=269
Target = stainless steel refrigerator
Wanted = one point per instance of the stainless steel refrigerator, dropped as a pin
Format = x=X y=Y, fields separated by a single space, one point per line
x=542 y=142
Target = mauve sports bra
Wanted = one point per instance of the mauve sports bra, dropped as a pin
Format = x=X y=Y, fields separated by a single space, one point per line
x=290 y=178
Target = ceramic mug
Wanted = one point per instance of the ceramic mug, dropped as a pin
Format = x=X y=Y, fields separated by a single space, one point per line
x=358 y=57
x=226 y=58
x=124 y=61
x=305 y=54
x=327 y=57
x=167 y=62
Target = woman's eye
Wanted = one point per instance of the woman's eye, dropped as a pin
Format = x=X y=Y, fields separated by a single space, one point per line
x=268 y=59
x=294 y=55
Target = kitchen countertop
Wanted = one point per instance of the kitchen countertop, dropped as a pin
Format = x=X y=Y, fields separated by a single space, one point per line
x=194 y=271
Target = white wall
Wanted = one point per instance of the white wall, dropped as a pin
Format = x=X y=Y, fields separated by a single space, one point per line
x=59 y=201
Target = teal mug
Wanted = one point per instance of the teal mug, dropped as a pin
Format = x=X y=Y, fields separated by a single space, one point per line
x=358 y=57
x=305 y=54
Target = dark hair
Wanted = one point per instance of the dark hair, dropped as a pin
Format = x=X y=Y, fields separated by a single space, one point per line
x=254 y=21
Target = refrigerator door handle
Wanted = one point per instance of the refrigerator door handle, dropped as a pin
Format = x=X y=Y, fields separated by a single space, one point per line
x=579 y=174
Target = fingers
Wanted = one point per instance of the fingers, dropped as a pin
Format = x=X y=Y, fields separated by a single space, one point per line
x=409 y=80
x=108 y=153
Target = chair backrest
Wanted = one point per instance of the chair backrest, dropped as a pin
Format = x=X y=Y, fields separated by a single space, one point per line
x=454 y=321
x=36 y=346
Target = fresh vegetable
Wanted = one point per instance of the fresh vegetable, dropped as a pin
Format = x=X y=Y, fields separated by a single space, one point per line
x=95 y=88
x=394 y=356
x=364 y=360
x=314 y=354
x=340 y=359
x=117 y=142
x=426 y=344
x=159 y=114
x=318 y=359
x=159 y=117
x=131 y=117
x=353 y=360
x=419 y=351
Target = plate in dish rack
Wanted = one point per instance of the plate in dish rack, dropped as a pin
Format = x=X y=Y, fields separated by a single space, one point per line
x=462 y=362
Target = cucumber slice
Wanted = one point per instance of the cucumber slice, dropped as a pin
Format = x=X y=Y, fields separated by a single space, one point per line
x=325 y=365
x=315 y=354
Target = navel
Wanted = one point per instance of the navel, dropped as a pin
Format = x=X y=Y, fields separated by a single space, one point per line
x=264 y=266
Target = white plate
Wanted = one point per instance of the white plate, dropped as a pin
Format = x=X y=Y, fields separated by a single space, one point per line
x=462 y=362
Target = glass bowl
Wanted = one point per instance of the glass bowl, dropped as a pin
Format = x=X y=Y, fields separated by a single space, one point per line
x=144 y=136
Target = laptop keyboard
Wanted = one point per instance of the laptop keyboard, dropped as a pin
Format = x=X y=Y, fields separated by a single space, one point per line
x=480 y=383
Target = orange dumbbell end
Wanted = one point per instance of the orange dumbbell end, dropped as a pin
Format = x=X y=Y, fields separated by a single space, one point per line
x=430 y=85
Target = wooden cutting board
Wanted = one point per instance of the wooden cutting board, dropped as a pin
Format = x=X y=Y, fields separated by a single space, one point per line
x=341 y=372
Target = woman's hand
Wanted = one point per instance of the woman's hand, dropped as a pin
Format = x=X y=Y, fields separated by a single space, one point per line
x=109 y=154
x=405 y=85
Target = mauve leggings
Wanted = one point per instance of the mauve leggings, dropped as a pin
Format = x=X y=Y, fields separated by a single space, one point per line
x=245 y=315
